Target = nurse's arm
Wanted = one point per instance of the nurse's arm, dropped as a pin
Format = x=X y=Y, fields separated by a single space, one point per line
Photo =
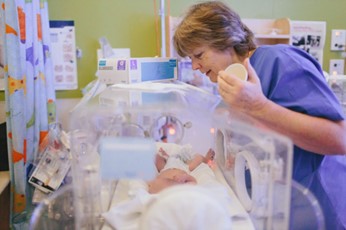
x=314 y=134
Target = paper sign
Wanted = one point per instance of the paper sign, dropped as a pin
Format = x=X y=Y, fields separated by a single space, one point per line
x=127 y=157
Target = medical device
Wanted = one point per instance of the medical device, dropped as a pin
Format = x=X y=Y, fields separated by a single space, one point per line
x=254 y=164
x=134 y=70
x=184 y=115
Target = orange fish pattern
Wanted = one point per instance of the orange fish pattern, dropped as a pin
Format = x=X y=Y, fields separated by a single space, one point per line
x=22 y=28
x=19 y=203
x=10 y=30
x=17 y=156
x=39 y=27
x=14 y=85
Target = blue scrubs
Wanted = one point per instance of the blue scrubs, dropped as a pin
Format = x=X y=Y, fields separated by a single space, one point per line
x=293 y=79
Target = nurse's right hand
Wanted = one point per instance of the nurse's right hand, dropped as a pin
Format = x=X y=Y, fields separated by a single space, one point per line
x=244 y=96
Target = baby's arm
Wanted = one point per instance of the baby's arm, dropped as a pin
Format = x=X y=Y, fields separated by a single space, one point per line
x=198 y=159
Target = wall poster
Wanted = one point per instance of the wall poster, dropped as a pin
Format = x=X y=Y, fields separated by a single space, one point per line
x=309 y=36
x=63 y=49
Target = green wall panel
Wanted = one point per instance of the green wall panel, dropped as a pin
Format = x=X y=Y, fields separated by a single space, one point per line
x=131 y=24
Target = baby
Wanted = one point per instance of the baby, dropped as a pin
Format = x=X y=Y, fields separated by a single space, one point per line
x=176 y=165
x=175 y=169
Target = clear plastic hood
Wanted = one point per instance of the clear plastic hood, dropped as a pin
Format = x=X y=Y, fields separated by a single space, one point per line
x=256 y=164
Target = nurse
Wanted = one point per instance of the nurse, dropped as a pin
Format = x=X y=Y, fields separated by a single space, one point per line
x=286 y=91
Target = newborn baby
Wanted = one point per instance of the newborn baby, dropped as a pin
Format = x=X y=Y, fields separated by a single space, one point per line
x=190 y=173
x=176 y=169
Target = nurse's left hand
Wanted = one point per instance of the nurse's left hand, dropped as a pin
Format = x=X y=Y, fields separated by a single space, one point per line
x=244 y=96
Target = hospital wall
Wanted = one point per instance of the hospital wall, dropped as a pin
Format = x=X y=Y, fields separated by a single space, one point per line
x=131 y=24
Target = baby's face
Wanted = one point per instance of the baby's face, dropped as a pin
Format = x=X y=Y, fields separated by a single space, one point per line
x=169 y=178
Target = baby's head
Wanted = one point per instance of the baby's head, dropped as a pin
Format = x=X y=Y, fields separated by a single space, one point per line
x=168 y=178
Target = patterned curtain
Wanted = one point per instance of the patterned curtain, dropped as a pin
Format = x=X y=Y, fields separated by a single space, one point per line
x=29 y=93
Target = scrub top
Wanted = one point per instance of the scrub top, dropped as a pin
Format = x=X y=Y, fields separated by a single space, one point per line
x=292 y=78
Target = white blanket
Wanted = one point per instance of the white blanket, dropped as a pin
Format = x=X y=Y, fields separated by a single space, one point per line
x=132 y=201
x=126 y=214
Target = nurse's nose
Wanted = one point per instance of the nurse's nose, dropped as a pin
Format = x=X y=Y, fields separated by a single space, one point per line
x=196 y=65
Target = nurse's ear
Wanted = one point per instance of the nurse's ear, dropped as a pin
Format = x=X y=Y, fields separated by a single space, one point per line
x=232 y=53
x=252 y=75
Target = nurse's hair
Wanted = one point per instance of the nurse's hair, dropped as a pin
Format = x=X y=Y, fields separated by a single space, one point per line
x=214 y=24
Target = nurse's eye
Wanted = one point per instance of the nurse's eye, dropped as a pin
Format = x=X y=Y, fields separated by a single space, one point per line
x=199 y=55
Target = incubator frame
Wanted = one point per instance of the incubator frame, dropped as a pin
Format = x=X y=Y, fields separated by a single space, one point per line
x=245 y=154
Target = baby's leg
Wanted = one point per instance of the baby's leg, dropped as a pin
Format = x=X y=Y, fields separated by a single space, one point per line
x=196 y=160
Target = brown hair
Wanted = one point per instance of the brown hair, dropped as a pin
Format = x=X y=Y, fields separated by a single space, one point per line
x=214 y=24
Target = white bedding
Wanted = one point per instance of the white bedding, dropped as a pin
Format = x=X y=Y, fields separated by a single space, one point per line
x=131 y=196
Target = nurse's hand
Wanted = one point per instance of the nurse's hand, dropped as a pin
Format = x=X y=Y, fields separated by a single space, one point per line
x=244 y=96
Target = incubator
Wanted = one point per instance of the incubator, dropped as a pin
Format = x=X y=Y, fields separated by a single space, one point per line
x=113 y=139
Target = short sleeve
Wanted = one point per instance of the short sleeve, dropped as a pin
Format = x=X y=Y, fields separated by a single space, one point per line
x=291 y=78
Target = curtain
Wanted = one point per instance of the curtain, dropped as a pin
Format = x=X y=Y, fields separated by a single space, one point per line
x=29 y=94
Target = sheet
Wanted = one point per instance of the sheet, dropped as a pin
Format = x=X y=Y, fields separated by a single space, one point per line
x=212 y=179
x=131 y=198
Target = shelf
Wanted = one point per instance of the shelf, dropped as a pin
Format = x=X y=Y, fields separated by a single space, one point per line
x=270 y=31
x=4 y=180
x=270 y=36
x=267 y=31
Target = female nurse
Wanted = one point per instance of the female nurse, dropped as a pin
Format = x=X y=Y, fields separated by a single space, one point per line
x=286 y=91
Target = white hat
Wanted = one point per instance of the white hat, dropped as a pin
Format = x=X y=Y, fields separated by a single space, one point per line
x=185 y=207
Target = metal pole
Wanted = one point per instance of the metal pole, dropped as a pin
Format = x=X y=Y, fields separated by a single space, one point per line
x=163 y=29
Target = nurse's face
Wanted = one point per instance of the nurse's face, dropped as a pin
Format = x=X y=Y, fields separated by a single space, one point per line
x=210 y=61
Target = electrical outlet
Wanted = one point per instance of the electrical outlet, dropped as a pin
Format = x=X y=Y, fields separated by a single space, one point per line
x=336 y=66
x=338 y=40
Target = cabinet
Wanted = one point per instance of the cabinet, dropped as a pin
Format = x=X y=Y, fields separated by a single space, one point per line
x=270 y=31
x=267 y=31
x=4 y=200
x=306 y=35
